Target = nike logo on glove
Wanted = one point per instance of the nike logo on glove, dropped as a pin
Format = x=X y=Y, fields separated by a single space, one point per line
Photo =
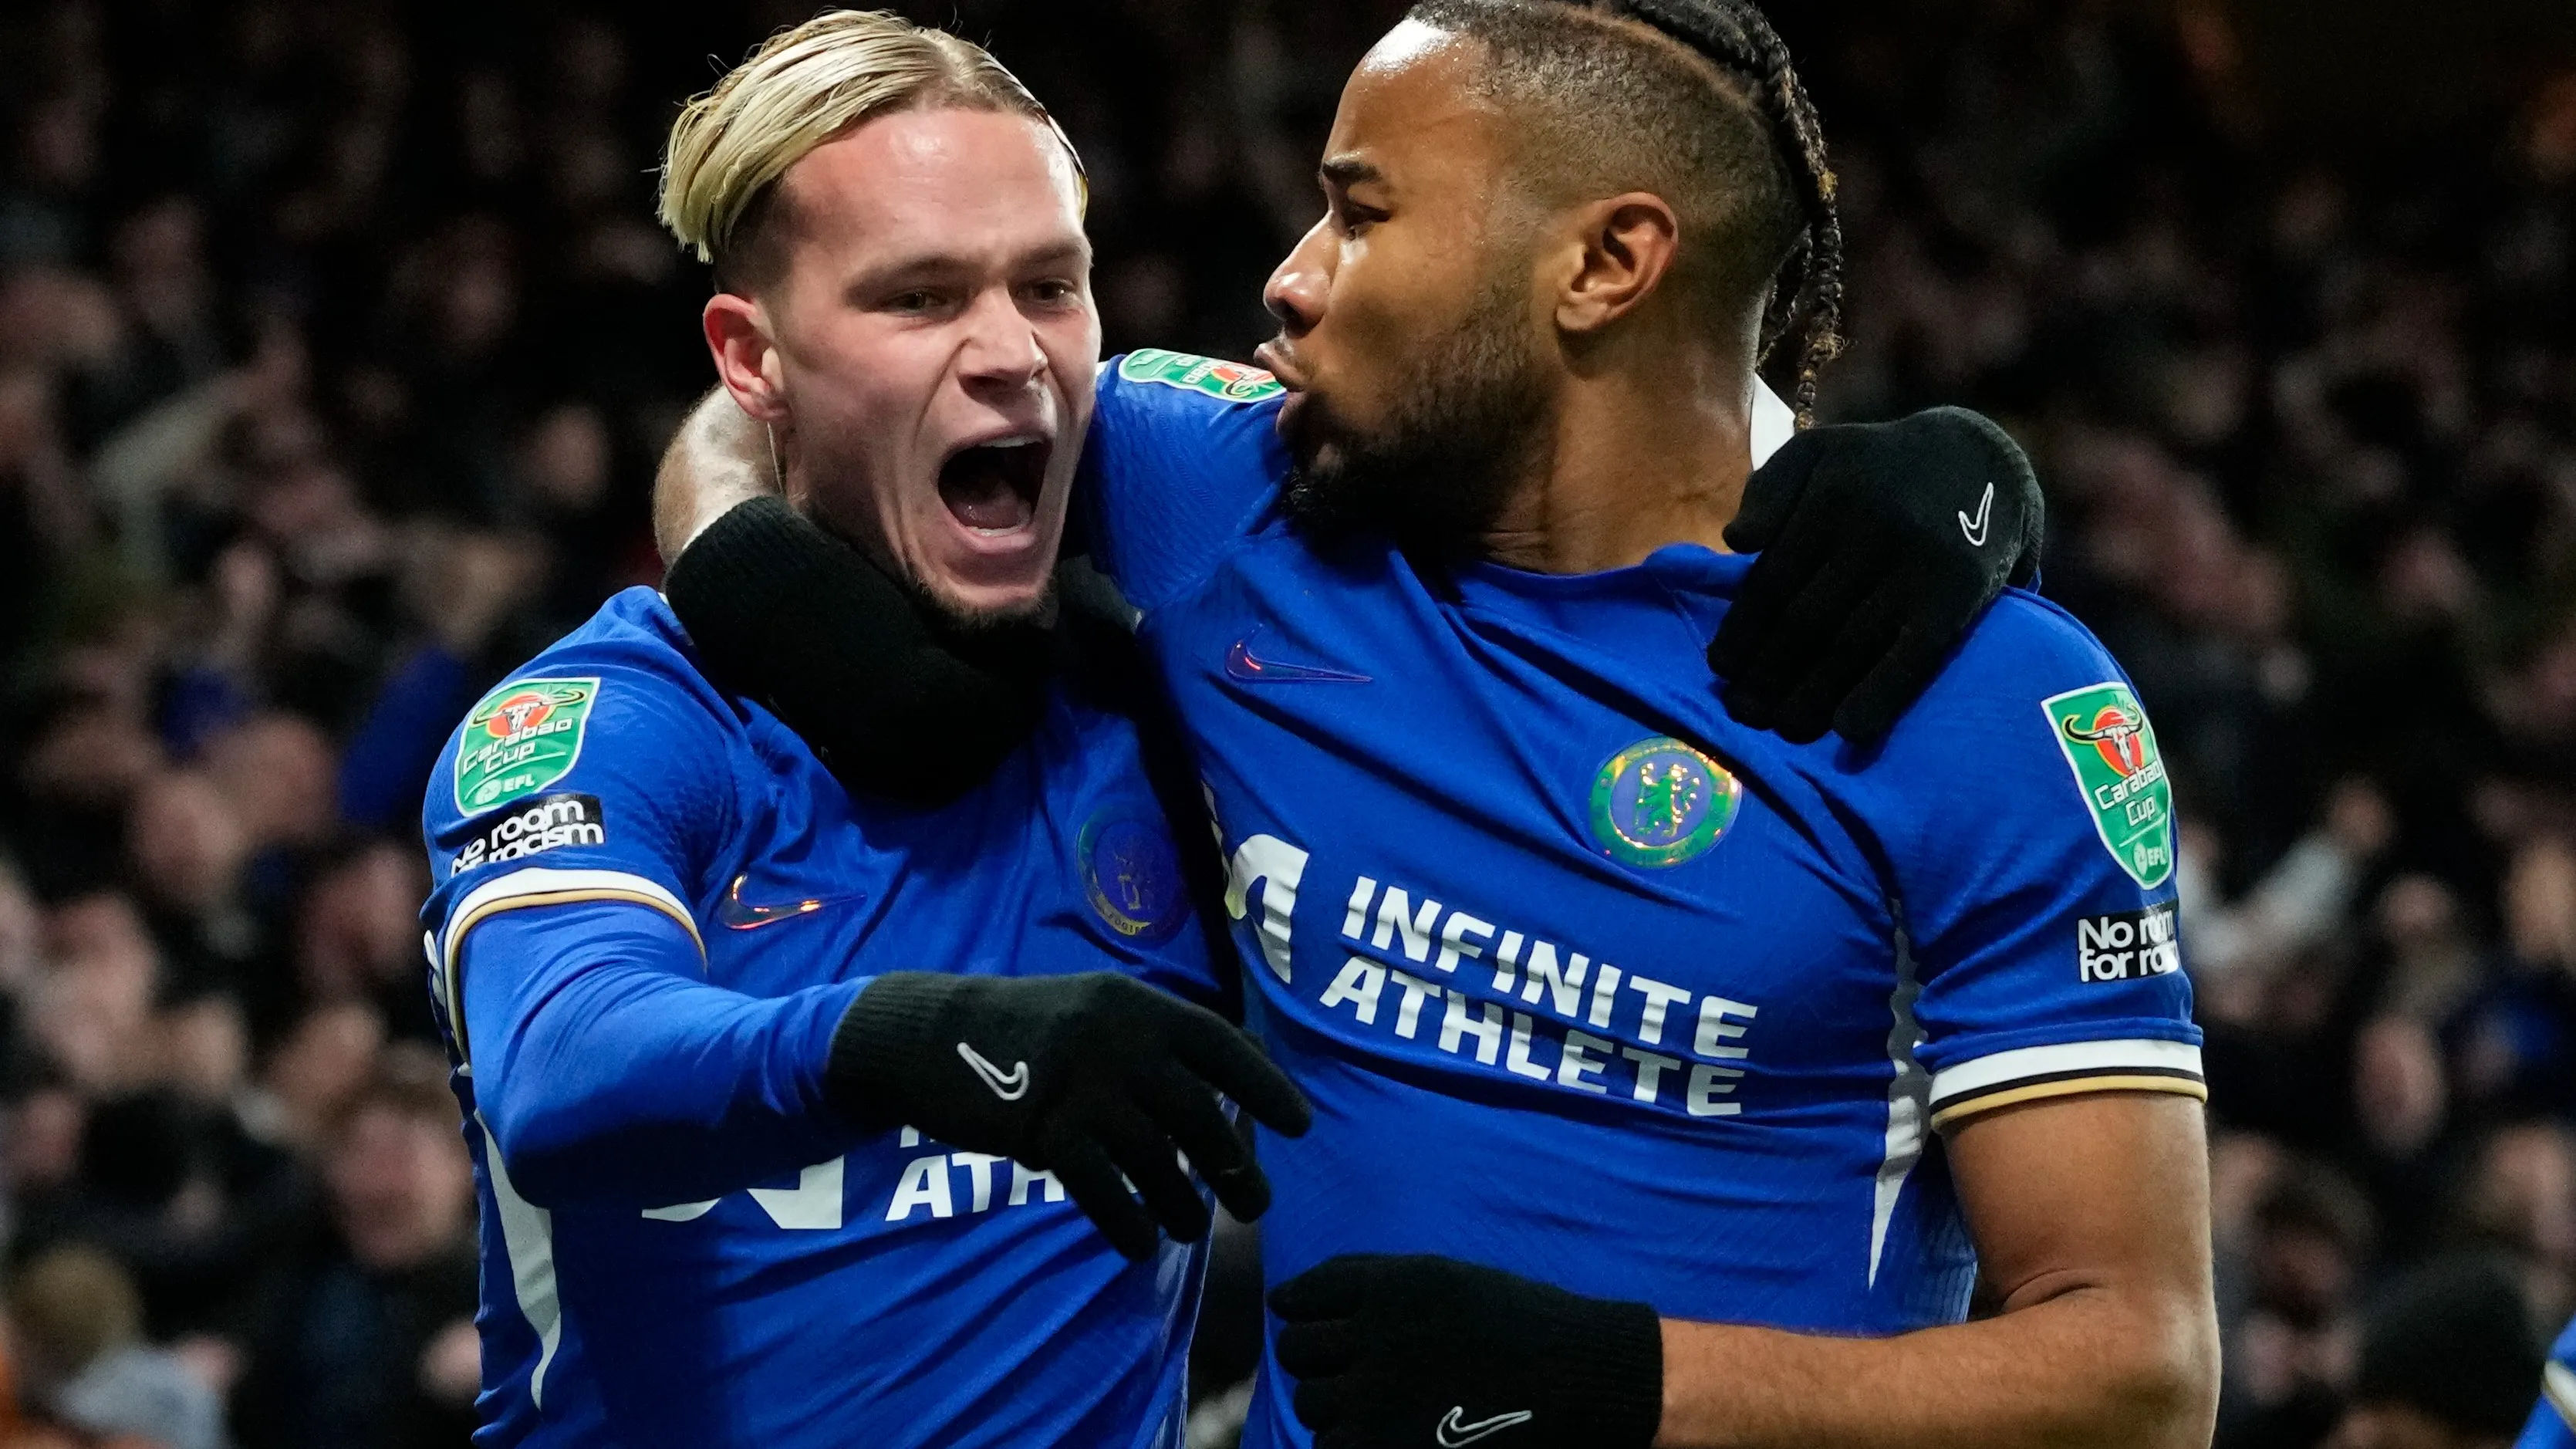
x=1455 y=1432
x=1010 y=1086
x=1976 y=529
x=1241 y=663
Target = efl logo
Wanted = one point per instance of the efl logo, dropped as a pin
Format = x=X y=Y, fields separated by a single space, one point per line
x=2127 y=946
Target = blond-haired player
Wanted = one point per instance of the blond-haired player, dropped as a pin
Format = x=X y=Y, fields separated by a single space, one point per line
x=902 y=295
x=800 y=1091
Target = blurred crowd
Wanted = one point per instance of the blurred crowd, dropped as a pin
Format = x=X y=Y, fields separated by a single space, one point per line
x=336 y=342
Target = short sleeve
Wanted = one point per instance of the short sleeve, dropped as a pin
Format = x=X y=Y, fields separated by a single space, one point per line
x=591 y=776
x=2034 y=872
x=1184 y=457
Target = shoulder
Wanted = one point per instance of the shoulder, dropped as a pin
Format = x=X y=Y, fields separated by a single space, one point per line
x=2023 y=646
x=1183 y=456
x=620 y=696
x=634 y=631
x=2032 y=714
x=1197 y=424
x=1156 y=383
x=1998 y=699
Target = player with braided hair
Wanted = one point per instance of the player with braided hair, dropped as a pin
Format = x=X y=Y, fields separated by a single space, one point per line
x=1807 y=302
x=1548 y=1204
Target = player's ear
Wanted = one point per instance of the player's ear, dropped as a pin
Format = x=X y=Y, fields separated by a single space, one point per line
x=1627 y=247
x=737 y=329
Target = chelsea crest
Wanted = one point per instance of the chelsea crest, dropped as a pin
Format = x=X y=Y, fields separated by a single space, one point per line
x=1132 y=874
x=1660 y=802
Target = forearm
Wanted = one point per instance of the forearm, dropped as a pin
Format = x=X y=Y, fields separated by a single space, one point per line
x=609 y=1072
x=2088 y=1367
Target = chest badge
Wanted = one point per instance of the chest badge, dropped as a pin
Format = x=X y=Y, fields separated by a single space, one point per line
x=1660 y=802
x=1132 y=874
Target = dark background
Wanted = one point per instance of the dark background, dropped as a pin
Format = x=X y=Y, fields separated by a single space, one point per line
x=336 y=342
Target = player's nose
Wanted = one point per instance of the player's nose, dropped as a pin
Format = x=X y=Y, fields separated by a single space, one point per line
x=1296 y=289
x=999 y=352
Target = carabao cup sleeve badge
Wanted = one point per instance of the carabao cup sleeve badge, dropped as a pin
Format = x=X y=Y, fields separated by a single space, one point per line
x=2112 y=750
x=523 y=737
x=1224 y=381
x=1660 y=802
x=1132 y=874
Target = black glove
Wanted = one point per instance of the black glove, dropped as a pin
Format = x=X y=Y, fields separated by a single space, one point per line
x=1085 y=1076
x=1415 y=1351
x=1880 y=544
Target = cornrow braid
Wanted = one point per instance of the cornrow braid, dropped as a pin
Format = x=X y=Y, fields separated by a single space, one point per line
x=1738 y=37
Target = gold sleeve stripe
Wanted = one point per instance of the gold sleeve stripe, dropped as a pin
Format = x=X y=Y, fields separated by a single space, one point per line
x=486 y=910
x=2023 y=1065
x=2068 y=1087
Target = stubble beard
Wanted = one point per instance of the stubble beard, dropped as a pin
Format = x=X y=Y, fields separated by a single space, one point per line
x=969 y=624
x=1457 y=439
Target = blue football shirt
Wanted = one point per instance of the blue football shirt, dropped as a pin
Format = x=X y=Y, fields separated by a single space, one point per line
x=1584 y=979
x=2552 y=1418
x=654 y=904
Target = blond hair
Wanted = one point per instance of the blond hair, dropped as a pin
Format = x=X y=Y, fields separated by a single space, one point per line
x=803 y=87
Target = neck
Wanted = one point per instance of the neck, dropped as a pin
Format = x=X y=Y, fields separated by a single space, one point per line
x=1636 y=458
x=797 y=475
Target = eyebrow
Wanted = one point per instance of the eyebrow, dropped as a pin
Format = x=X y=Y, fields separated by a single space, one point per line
x=1348 y=171
x=1078 y=249
x=929 y=264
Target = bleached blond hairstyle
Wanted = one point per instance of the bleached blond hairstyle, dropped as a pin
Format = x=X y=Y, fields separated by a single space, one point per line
x=800 y=89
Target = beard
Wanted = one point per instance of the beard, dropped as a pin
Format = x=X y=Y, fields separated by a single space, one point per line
x=967 y=623
x=1457 y=438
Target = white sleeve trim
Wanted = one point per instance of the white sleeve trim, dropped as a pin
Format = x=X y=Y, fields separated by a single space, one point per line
x=2558 y=1385
x=2063 y=1069
x=544 y=881
x=540 y=886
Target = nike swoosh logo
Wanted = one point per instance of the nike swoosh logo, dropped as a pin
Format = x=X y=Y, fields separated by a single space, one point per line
x=1975 y=528
x=1010 y=1086
x=737 y=914
x=1455 y=1432
x=1241 y=663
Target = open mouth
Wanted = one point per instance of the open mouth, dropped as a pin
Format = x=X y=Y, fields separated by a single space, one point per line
x=992 y=488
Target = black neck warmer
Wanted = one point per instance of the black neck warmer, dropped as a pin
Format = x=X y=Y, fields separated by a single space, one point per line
x=895 y=699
